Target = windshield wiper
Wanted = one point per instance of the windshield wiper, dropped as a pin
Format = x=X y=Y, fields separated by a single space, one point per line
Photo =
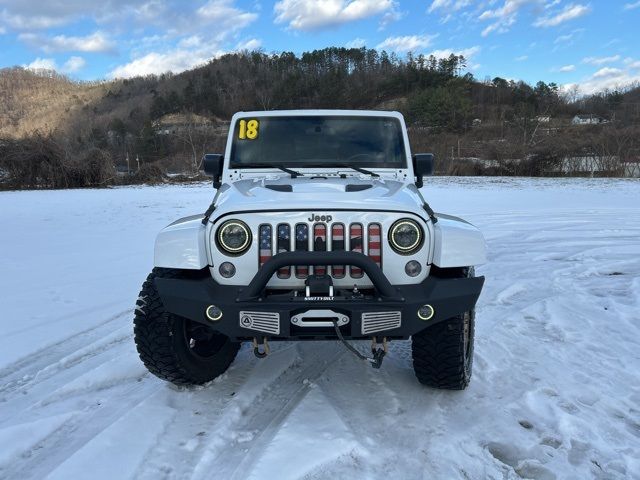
x=293 y=173
x=357 y=169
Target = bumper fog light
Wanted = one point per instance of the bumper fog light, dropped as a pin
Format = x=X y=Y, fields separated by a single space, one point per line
x=227 y=269
x=426 y=312
x=413 y=268
x=213 y=313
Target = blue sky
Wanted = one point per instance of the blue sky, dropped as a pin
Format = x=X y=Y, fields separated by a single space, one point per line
x=594 y=44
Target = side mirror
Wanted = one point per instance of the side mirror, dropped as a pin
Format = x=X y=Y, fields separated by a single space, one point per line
x=212 y=164
x=422 y=166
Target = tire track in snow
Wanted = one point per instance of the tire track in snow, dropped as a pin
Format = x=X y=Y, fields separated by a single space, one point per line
x=198 y=410
x=235 y=460
x=34 y=378
x=376 y=405
x=46 y=455
x=47 y=361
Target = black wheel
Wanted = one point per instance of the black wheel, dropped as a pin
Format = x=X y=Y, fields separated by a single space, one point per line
x=174 y=348
x=443 y=353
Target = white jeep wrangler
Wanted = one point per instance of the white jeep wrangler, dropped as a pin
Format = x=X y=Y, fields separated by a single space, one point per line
x=317 y=231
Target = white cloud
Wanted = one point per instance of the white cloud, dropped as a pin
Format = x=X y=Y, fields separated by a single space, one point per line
x=601 y=60
x=448 y=5
x=607 y=78
x=30 y=22
x=467 y=53
x=223 y=15
x=567 y=68
x=202 y=35
x=504 y=17
x=570 y=12
x=74 y=64
x=194 y=41
x=521 y=58
x=607 y=72
x=42 y=64
x=176 y=60
x=356 y=43
x=409 y=43
x=96 y=42
x=319 y=14
x=38 y=14
x=251 y=44
x=631 y=63
x=611 y=77
x=568 y=39
x=631 y=6
x=563 y=38
x=390 y=16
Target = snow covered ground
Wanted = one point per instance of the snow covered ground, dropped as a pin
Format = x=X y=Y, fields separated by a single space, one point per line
x=555 y=392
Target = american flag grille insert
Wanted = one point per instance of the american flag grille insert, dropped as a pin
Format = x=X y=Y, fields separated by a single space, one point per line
x=302 y=245
x=319 y=237
x=375 y=246
x=337 y=244
x=283 y=244
x=266 y=243
x=355 y=243
x=320 y=245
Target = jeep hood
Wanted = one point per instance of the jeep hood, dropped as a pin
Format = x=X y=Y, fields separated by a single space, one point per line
x=317 y=194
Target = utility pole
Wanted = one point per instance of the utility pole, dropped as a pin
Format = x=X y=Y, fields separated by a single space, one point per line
x=128 y=168
x=138 y=162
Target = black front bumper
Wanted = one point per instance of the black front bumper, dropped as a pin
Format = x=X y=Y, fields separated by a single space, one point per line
x=190 y=297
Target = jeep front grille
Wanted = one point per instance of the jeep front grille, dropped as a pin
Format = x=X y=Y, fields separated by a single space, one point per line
x=338 y=238
x=379 y=321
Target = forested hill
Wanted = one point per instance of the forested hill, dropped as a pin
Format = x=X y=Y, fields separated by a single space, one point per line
x=170 y=120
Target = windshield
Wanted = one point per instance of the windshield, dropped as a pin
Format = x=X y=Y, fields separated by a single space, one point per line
x=318 y=141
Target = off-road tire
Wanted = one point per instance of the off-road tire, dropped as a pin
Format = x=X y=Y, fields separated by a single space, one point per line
x=443 y=353
x=164 y=344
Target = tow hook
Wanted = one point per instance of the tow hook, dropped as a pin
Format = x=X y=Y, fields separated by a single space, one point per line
x=378 y=353
x=256 y=347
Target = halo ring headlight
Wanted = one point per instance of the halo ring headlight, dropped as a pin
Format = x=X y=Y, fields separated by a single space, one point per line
x=426 y=312
x=213 y=313
x=234 y=237
x=405 y=236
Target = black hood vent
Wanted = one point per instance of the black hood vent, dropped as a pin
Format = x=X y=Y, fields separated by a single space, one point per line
x=353 y=187
x=280 y=188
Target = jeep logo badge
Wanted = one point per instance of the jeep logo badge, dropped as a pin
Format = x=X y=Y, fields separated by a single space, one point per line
x=320 y=218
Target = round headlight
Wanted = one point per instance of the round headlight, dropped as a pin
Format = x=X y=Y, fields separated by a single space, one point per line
x=234 y=237
x=405 y=236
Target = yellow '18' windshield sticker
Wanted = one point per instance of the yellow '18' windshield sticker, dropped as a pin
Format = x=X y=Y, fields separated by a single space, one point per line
x=248 y=129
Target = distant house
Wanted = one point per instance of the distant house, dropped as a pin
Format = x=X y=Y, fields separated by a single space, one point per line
x=588 y=119
x=591 y=163
x=631 y=168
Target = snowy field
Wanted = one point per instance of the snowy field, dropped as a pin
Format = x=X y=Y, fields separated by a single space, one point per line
x=555 y=391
